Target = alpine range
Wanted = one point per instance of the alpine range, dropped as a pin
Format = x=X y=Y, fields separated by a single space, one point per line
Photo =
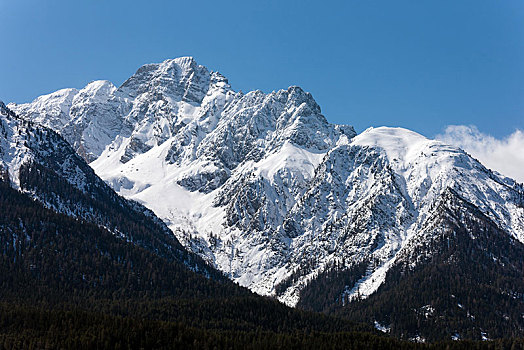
x=412 y=236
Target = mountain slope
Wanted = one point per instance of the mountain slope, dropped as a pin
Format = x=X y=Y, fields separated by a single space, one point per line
x=40 y=163
x=462 y=276
x=372 y=197
x=62 y=258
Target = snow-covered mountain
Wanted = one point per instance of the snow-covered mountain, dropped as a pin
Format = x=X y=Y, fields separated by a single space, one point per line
x=263 y=187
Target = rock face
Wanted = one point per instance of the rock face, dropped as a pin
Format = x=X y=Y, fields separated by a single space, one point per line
x=263 y=187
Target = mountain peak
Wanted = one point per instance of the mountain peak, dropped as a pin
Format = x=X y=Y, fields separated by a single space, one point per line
x=398 y=143
x=385 y=134
x=184 y=61
x=98 y=85
x=180 y=78
x=97 y=89
x=297 y=94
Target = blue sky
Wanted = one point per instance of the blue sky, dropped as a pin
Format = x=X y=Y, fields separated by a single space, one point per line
x=416 y=64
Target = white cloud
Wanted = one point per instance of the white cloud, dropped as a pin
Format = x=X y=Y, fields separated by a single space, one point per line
x=503 y=155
